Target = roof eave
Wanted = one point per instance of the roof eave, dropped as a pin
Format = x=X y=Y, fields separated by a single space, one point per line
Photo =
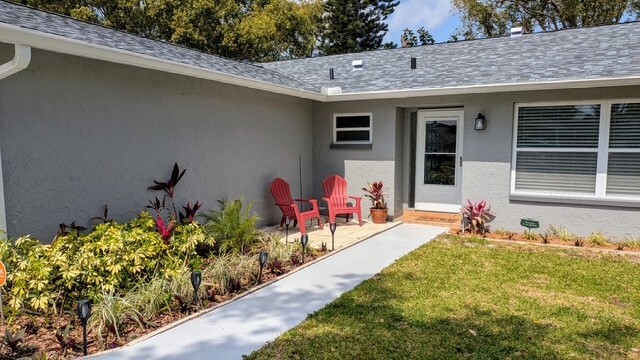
x=17 y=35
x=489 y=88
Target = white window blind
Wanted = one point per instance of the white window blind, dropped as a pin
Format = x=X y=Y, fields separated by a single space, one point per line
x=623 y=169
x=557 y=149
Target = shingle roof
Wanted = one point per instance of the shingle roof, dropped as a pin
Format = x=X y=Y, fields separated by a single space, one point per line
x=49 y=23
x=576 y=54
x=603 y=52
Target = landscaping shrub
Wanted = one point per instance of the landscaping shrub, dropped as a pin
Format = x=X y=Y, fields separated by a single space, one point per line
x=112 y=258
x=233 y=227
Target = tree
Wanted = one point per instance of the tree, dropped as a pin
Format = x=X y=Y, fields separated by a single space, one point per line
x=278 y=31
x=410 y=39
x=489 y=18
x=253 y=30
x=354 y=25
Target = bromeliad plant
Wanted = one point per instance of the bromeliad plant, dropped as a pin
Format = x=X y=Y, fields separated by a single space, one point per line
x=375 y=192
x=476 y=217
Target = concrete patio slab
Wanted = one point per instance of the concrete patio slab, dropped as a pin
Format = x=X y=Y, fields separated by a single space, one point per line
x=247 y=324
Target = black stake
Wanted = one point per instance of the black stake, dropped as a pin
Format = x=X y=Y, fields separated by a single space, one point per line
x=264 y=256
x=304 y=240
x=287 y=221
x=84 y=312
x=332 y=228
x=196 y=280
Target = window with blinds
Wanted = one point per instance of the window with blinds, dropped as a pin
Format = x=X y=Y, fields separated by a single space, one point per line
x=623 y=169
x=584 y=150
x=557 y=149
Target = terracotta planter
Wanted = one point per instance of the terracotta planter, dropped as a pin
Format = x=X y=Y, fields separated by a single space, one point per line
x=378 y=216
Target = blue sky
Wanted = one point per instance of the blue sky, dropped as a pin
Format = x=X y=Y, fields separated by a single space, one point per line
x=434 y=15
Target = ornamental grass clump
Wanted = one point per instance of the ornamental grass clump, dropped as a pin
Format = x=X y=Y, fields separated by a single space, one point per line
x=476 y=217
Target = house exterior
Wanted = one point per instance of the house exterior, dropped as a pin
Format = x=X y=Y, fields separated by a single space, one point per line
x=89 y=116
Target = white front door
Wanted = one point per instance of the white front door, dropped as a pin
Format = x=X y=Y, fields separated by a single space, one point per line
x=439 y=160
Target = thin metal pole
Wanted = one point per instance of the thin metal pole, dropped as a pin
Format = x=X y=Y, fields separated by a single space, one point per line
x=84 y=336
x=1 y=309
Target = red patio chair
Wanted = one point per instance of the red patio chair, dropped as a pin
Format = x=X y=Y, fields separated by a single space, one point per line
x=335 y=191
x=282 y=195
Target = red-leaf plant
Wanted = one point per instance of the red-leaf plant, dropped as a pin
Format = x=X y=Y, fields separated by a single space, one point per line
x=169 y=186
x=189 y=214
x=165 y=230
x=375 y=192
x=476 y=216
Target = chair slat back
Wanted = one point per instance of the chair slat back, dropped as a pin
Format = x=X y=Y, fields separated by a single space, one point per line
x=282 y=195
x=335 y=188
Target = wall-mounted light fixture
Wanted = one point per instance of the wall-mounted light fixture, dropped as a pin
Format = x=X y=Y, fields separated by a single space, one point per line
x=481 y=122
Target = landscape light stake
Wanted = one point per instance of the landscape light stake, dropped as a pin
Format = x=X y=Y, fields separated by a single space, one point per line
x=332 y=228
x=196 y=280
x=287 y=221
x=304 y=240
x=264 y=256
x=84 y=312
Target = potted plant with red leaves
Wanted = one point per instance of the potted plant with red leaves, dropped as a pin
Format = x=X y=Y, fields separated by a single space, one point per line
x=378 y=211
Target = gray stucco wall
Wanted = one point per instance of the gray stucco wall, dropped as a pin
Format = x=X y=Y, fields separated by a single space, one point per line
x=359 y=167
x=486 y=154
x=76 y=134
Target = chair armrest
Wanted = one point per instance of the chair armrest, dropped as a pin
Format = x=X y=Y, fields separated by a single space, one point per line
x=355 y=197
x=314 y=204
x=305 y=200
x=283 y=204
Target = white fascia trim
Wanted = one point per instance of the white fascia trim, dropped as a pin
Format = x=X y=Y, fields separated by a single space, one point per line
x=20 y=61
x=60 y=44
x=490 y=88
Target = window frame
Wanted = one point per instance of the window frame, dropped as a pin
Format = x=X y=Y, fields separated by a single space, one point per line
x=335 y=129
x=600 y=196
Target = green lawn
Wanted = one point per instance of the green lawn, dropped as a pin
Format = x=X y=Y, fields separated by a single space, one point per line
x=477 y=300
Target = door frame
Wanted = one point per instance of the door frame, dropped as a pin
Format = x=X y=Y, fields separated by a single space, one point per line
x=440 y=207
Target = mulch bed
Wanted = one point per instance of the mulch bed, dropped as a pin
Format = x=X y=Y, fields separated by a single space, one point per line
x=40 y=329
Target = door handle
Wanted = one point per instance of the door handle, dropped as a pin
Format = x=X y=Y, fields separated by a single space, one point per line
x=460 y=161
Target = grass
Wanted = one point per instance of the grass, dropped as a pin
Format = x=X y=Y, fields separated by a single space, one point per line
x=479 y=300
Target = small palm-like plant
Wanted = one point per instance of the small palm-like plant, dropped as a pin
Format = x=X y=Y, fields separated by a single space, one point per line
x=375 y=192
x=476 y=216
x=233 y=227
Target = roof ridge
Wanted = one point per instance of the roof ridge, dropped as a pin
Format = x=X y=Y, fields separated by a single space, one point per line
x=445 y=43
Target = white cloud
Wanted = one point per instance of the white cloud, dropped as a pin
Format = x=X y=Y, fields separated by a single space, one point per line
x=413 y=14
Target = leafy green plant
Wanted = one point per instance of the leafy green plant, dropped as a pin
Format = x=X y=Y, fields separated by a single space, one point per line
x=13 y=340
x=233 y=227
x=476 y=217
x=597 y=239
x=110 y=312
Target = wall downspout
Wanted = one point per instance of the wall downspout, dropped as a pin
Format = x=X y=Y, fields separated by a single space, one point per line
x=20 y=61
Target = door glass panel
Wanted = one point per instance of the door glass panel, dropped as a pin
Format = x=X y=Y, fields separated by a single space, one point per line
x=440 y=152
x=441 y=137
x=439 y=169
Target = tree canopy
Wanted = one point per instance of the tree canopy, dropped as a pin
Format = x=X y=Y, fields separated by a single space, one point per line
x=248 y=30
x=354 y=25
x=489 y=18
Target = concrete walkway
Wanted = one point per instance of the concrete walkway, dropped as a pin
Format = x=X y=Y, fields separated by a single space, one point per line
x=247 y=324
